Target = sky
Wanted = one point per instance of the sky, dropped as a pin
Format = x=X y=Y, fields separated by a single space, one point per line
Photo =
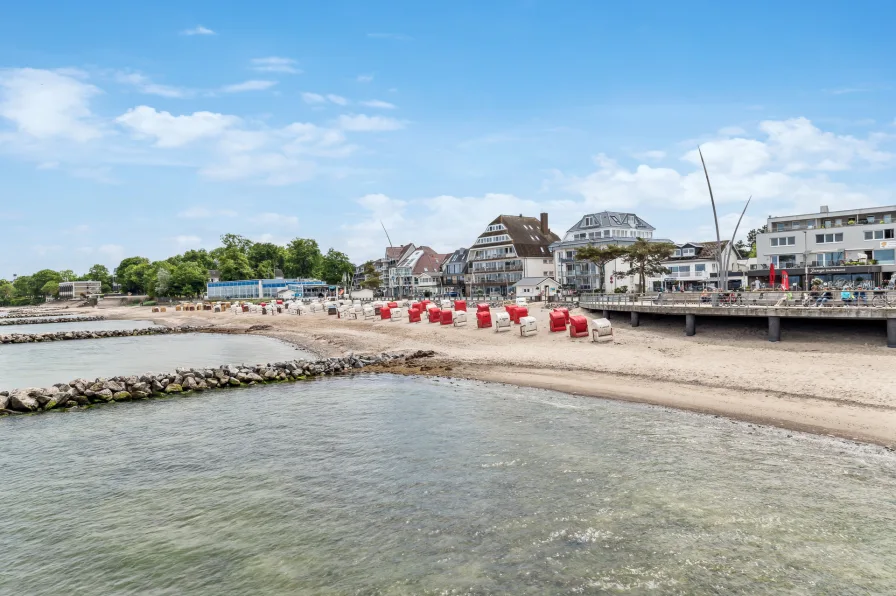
x=129 y=129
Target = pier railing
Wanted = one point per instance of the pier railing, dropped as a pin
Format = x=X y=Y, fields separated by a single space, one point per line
x=771 y=298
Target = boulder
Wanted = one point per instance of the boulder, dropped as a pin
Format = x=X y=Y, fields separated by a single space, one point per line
x=22 y=402
x=234 y=382
x=173 y=388
x=4 y=400
x=121 y=396
x=104 y=395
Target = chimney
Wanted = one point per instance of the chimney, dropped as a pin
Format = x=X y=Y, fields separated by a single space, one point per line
x=544 y=224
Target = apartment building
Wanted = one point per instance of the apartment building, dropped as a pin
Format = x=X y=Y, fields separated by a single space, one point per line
x=418 y=271
x=454 y=272
x=72 y=290
x=606 y=227
x=511 y=247
x=694 y=266
x=849 y=246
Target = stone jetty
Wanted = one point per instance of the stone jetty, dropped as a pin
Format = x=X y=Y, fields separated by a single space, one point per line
x=28 y=338
x=31 y=314
x=54 y=320
x=84 y=393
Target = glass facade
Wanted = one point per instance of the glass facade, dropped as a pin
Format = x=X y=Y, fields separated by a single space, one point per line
x=249 y=289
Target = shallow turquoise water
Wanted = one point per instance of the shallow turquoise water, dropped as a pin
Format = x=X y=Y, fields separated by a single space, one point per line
x=389 y=485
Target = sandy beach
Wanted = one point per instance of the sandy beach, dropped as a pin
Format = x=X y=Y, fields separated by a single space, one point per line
x=809 y=382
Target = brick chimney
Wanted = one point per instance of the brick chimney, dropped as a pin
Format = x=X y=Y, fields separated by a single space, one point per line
x=544 y=224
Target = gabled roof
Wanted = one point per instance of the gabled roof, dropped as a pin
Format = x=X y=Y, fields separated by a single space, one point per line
x=612 y=219
x=526 y=235
x=423 y=259
x=458 y=256
x=705 y=250
x=534 y=281
x=397 y=252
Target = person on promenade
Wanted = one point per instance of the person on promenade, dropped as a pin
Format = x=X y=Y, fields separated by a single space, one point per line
x=822 y=298
x=704 y=295
x=846 y=297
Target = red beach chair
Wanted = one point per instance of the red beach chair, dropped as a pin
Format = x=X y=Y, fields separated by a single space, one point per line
x=518 y=313
x=565 y=312
x=414 y=315
x=385 y=313
x=446 y=317
x=435 y=314
x=483 y=319
x=460 y=305
x=578 y=326
x=558 y=321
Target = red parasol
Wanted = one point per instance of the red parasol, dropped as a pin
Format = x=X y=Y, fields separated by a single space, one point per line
x=785 y=280
x=771 y=275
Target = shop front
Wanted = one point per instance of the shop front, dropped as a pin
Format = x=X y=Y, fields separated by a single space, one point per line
x=835 y=276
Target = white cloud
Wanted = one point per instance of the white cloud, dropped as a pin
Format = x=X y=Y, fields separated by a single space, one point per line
x=376 y=103
x=313 y=98
x=175 y=131
x=275 y=64
x=275 y=219
x=187 y=241
x=254 y=85
x=365 y=78
x=44 y=104
x=198 y=30
x=364 y=123
x=271 y=168
x=791 y=166
x=143 y=84
x=338 y=100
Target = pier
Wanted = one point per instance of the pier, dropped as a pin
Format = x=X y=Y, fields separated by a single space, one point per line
x=775 y=306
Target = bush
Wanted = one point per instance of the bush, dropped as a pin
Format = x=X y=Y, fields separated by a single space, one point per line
x=621 y=290
x=149 y=303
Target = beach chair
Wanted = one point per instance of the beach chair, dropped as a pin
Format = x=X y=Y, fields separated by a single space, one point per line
x=502 y=322
x=578 y=326
x=518 y=313
x=528 y=326
x=483 y=319
x=460 y=318
x=397 y=314
x=565 y=312
x=413 y=315
x=435 y=314
x=446 y=316
x=386 y=312
x=601 y=330
x=557 y=322
x=369 y=313
x=460 y=305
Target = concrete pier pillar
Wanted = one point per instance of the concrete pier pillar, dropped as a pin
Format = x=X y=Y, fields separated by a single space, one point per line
x=891 y=332
x=636 y=319
x=606 y=314
x=690 y=325
x=774 y=329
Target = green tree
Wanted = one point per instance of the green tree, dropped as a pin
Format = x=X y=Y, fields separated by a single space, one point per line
x=265 y=252
x=162 y=287
x=234 y=265
x=7 y=292
x=236 y=241
x=303 y=258
x=51 y=288
x=188 y=279
x=131 y=272
x=372 y=280
x=645 y=259
x=101 y=274
x=335 y=265
x=201 y=257
x=600 y=256
x=41 y=278
x=264 y=270
x=67 y=275
x=24 y=286
x=751 y=237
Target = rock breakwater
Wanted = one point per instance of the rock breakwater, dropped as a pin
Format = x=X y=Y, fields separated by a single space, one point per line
x=27 y=338
x=31 y=314
x=54 y=320
x=84 y=393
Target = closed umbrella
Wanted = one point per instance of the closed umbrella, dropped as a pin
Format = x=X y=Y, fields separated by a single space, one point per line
x=771 y=275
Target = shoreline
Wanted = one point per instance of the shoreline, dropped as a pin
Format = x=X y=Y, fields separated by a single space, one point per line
x=704 y=376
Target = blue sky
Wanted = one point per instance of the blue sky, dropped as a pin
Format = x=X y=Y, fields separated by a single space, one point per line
x=129 y=130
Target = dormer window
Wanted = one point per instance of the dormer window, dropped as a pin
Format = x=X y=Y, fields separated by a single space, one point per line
x=588 y=221
x=676 y=253
x=688 y=252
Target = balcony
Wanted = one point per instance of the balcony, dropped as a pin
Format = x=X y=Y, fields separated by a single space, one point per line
x=483 y=268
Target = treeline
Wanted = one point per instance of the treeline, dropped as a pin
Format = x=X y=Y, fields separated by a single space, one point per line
x=186 y=274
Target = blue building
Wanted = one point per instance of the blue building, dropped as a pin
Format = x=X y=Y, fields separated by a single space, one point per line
x=249 y=289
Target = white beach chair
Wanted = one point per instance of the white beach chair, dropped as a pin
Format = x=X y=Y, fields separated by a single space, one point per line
x=460 y=318
x=397 y=315
x=601 y=329
x=528 y=326
x=502 y=322
x=369 y=313
x=445 y=303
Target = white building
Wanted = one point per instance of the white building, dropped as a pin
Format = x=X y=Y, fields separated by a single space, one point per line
x=695 y=266
x=597 y=229
x=72 y=290
x=536 y=288
x=511 y=247
x=418 y=271
x=835 y=246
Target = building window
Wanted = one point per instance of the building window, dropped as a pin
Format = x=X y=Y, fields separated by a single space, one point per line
x=606 y=233
x=699 y=268
x=779 y=227
x=688 y=252
x=787 y=240
x=589 y=221
x=879 y=234
x=828 y=238
x=885 y=257
x=676 y=252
